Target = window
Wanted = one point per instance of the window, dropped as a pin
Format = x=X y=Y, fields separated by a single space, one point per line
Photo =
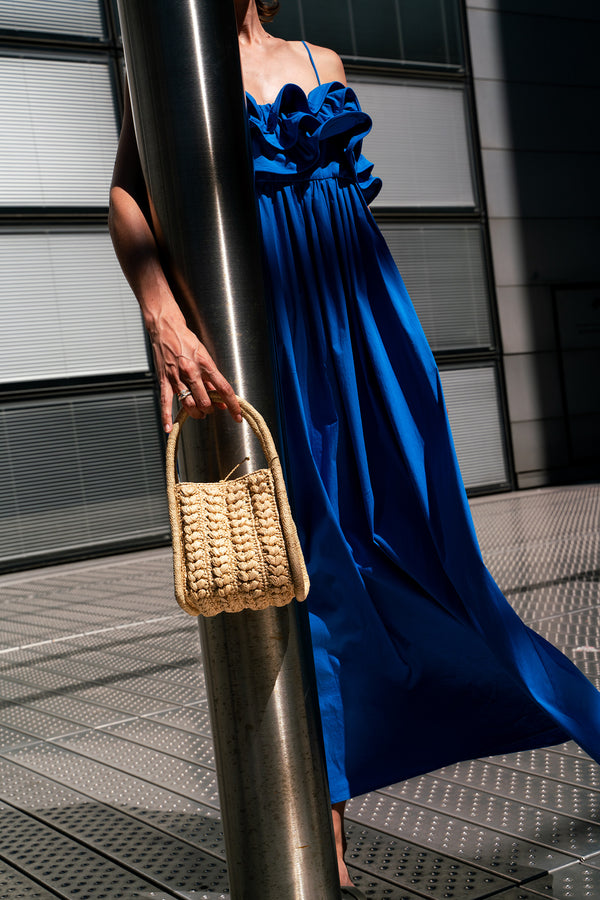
x=59 y=134
x=443 y=267
x=80 y=439
x=82 y=473
x=475 y=414
x=82 y=18
x=422 y=32
x=419 y=144
x=63 y=298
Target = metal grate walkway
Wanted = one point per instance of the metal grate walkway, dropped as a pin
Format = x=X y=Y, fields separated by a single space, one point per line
x=107 y=781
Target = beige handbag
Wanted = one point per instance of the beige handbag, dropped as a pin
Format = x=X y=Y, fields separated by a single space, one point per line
x=235 y=545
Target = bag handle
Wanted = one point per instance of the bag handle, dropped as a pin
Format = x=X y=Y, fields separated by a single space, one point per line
x=261 y=430
x=252 y=417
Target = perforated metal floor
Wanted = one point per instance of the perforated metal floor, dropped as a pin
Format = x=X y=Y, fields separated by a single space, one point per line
x=107 y=781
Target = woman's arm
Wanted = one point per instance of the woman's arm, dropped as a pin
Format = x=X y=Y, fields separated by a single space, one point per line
x=181 y=360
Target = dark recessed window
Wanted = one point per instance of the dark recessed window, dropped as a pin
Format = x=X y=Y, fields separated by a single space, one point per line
x=422 y=32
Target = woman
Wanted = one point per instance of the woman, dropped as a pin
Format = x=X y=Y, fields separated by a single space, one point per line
x=420 y=660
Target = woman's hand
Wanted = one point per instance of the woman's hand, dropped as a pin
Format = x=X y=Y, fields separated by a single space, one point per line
x=183 y=362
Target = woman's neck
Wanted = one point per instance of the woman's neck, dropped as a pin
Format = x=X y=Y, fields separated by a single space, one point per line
x=248 y=24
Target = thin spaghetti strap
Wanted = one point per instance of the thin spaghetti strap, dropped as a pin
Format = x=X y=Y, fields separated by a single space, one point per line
x=312 y=61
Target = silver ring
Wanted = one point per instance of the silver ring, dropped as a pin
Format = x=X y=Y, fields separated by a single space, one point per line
x=183 y=394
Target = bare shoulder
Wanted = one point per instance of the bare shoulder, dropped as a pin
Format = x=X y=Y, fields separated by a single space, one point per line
x=328 y=63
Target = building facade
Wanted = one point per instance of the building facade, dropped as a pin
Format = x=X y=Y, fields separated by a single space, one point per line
x=489 y=161
x=537 y=89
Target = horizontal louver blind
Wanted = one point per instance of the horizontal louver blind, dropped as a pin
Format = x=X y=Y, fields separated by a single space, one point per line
x=444 y=270
x=79 y=473
x=419 y=144
x=70 y=17
x=65 y=309
x=476 y=421
x=59 y=133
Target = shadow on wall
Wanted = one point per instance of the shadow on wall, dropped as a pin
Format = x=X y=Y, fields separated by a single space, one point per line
x=542 y=170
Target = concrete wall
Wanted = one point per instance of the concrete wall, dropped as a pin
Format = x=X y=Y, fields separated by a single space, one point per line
x=537 y=93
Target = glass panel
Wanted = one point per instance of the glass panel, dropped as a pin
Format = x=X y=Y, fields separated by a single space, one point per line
x=475 y=418
x=288 y=21
x=377 y=29
x=416 y=31
x=444 y=270
x=65 y=309
x=59 y=132
x=73 y=17
x=431 y=31
x=328 y=24
x=80 y=473
x=419 y=144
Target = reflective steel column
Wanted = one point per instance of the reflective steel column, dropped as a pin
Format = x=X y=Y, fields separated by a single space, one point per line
x=189 y=112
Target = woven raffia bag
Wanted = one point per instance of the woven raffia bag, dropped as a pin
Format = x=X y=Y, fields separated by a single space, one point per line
x=235 y=545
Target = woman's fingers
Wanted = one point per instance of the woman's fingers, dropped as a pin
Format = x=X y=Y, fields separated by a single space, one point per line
x=198 y=403
x=210 y=387
x=166 y=404
x=188 y=401
x=201 y=375
x=224 y=389
x=185 y=367
x=202 y=402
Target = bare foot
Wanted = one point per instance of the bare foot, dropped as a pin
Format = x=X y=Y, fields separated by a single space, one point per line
x=337 y=814
x=345 y=880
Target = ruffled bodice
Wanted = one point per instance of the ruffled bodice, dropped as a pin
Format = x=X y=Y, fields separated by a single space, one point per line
x=302 y=137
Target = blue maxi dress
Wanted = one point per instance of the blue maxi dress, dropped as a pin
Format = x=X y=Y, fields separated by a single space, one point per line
x=420 y=660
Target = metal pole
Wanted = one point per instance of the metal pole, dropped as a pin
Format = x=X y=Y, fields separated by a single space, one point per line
x=189 y=113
